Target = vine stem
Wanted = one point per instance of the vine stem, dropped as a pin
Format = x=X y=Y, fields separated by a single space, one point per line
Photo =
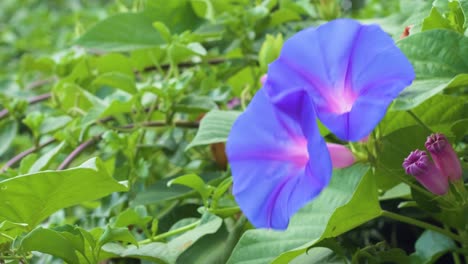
x=76 y=152
x=23 y=154
x=424 y=225
x=170 y=233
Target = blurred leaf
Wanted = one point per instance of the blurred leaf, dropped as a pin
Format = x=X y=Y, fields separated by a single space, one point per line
x=45 y=160
x=270 y=50
x=122 y=32
x=214 y=127
x=33 y=197
x=50 y=242
x=8 y=132
x=194 y=103
x=163 y=31
x=10 y=229
x=53 y=123
x=430 y=246
x=117 y=80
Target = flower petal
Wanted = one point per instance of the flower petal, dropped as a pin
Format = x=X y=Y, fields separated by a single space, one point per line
x=351 y=72
x=269 y=156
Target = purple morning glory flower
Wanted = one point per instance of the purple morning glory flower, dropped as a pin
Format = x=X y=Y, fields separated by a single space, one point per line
x=351 y=72
x=268 y=149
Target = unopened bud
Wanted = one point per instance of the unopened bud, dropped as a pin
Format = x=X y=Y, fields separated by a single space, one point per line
x=419 y=165
x=340 y=155
x=444 y=156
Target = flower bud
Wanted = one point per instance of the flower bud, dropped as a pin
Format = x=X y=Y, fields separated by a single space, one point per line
x=424 y=170
x=340 y=155
x=444 y=156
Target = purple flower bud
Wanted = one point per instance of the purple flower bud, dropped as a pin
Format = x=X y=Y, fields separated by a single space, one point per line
x=424 y=170
x=444 y=156
x=341 y=156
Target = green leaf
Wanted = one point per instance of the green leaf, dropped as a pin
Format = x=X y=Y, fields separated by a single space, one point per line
x=122 y=32
x=430 y=246
x=50 y=242
x=270 y=50
x=460 y=129
x=51 y=124
x=437 y=57
x=194 y=182
x=167 y=252
x=163 y=30
x=422 y=90
x=8 y=132
x=132 y=216
x=439 y=112
x=160 y=192
x=194 y=103
x=9 y=231
x=393 y=149
x=214 y=127
x=31 y=198
x=46 y=159
x=112 y=234
x=349 y=200
x=464 y=8
x=116 y=80
x=435 y=21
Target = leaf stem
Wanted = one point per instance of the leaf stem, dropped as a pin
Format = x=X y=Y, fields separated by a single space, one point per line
x=419 y=121
x=76 y=152
x=424 y=225
x=170 y=233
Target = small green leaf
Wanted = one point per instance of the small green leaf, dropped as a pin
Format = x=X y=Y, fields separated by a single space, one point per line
x=270 y=50
x=112 y=234
x=132 y=216
x=193 y=181
x=163 y=30
x=214 y=127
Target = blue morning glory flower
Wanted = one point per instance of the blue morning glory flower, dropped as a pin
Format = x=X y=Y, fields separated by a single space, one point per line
x=278 y=159
x=351 y=73
x=342 y=72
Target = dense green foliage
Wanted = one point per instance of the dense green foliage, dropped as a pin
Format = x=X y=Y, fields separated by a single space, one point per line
x=113 y=118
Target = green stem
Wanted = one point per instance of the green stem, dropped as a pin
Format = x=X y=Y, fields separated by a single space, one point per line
x=424 y=225
x=419 y=121
x=170 y=233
